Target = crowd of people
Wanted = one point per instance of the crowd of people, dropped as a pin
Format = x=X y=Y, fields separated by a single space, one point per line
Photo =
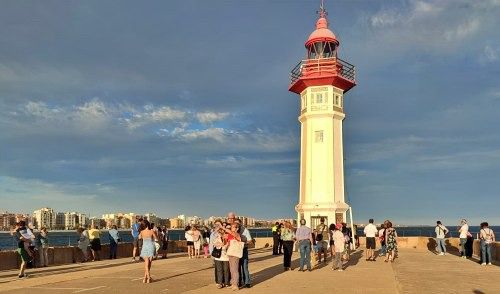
x=228 y=240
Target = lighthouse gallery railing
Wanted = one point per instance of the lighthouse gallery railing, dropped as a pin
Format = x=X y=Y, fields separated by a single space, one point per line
x=323 y=67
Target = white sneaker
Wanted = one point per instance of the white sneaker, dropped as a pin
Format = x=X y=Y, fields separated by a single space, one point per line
x=489 y=263
x=483 y=263
x=340 y=270
x=441 y=253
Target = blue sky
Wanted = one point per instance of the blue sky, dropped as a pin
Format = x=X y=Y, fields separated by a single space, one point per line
x=182 y=107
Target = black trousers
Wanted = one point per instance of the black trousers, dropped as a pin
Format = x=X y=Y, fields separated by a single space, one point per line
x=280 y=246
x=275 y=244
x=222 y=276
x=288 y=250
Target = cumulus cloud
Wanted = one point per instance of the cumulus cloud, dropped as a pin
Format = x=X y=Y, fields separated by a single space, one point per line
x=431 y=26
x=210 y=117
x=151 y=114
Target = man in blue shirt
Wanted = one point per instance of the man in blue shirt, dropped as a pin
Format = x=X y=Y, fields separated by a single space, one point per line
x=135 y=234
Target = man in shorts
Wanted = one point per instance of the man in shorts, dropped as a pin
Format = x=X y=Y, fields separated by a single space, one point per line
x=135 y=234
x=321 y=235
x=370 y=233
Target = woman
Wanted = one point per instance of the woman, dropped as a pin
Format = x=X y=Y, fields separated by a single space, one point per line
x=464 y=233
x=95 y=243
x=114 y=238
x=189 y=238
x=196 y=241
x=42 y=245
x=148 y=237
x=164 y=242
x=206 y=241
x=339 y=244
x=83 y=243
x=331 y=229
x=234 y=261
x=219 y=242
x=487 y=237
x=390 y=241
x=288 y=237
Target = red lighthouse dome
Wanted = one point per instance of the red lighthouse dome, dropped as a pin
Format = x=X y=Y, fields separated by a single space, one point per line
x=322 y=65
x=322 y=33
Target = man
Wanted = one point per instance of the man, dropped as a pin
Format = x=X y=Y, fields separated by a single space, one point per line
x=321 y=235
x=304 y=238
x=135 y=234
x=370 y=233
x=441 y=232
x=243 y=269
x=275 y=238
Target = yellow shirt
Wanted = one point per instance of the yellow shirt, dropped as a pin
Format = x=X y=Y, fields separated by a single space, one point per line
x=94 y=234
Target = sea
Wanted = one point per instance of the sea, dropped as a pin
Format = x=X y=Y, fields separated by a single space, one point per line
x=70 y=238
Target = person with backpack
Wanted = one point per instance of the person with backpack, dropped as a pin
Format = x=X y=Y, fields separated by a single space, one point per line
x=348 y=241
x=441 y=232
x=487 y=237
x=321 y=235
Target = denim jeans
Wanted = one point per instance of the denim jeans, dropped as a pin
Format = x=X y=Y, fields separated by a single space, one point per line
x=383 y=249
x=440 y=245
x=243 y=270
x=305 y=253
x=485 y=252
x=462 y=245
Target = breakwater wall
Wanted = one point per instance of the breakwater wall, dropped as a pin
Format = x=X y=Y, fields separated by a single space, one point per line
x=70 y=254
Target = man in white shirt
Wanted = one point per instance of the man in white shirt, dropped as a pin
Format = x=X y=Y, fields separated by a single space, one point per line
x=370 y=233
x=441 y=232
x=464 y=232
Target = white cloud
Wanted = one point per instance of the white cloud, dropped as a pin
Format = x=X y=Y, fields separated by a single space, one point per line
x=210 y=117
x=40 y=110
x=243 y=162
x=152 y=114
x=430 y=26
x=463 y=30
x=490 y=54
x=217 y=134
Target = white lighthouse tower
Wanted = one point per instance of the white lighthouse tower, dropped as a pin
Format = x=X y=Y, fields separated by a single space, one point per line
x=321 y=80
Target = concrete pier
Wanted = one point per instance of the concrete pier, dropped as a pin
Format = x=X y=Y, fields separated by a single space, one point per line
x=417 y=270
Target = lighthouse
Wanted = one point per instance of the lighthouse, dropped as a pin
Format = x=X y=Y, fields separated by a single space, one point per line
x=322 y=80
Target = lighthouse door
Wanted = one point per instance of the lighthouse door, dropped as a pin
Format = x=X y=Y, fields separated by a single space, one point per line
x=316 y=220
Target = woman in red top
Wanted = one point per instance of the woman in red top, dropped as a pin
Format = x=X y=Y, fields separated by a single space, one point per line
x=234 y=262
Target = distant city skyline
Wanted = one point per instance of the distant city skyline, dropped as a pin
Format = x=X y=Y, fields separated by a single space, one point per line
x=183 y=107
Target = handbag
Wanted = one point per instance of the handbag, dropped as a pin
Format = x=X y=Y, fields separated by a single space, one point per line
x=217 y=252
x=235 y=249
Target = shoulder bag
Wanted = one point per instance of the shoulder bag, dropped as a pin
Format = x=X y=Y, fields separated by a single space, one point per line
x=235 y=248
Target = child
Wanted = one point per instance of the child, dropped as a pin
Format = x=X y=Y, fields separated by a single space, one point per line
x=205 y=249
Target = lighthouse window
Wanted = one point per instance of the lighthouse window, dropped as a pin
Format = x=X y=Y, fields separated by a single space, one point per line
x=337 y=102
x=318 y=135
x=319 y=98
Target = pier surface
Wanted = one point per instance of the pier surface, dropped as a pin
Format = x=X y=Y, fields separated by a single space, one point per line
x=415 y=271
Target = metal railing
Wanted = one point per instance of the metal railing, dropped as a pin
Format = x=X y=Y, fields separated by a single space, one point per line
x=323 y=67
